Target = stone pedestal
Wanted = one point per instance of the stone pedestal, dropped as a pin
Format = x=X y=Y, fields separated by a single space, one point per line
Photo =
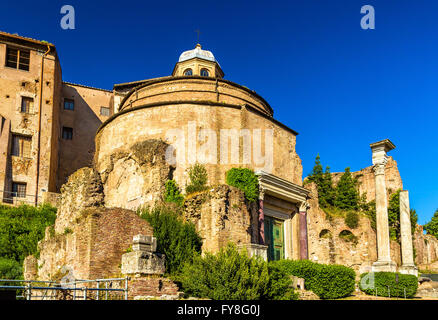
x=143 y=260
x=255 y=250
x=384 y=262
x=408 y=265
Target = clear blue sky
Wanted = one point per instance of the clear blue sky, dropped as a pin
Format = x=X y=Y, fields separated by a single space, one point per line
x=339 y=86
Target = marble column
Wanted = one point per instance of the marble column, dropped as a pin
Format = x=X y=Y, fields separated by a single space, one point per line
x=261 y=218
x=304 y=250
x=384 y=262
x=408 y=265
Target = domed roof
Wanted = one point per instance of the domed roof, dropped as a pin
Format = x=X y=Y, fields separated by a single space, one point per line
x=197 y=53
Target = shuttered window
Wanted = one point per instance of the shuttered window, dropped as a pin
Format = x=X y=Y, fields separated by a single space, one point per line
x=69 y=104
x=21 y=146
x=19 y=189
x=26 y=104
x=17 y=58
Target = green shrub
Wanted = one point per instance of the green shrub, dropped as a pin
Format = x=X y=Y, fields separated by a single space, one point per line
x=232 y=275
x=172 y=193
x=198 y=178
x=245 y=180
x=21 y=228
x=383 y=280
x=348 y=236
x=326 y=281
x=177 y=239
x=352 y=219
x=10 y=269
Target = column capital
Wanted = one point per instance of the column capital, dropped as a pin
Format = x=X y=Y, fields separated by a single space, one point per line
x=304 y=206
x=262 y=194
x=379 y=168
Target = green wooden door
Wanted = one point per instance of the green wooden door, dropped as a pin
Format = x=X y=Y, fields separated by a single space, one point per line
x=274 y=238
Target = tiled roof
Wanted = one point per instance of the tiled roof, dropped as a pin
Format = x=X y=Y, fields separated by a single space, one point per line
x=18 y=37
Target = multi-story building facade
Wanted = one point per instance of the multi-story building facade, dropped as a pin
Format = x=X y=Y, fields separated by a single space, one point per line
x=47 y=126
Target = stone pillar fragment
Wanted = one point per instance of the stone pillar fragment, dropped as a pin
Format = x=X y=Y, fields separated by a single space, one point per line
x=143 y=260
x=408 y=265
x=384 y=262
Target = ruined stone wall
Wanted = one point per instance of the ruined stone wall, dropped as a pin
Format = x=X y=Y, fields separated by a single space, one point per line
x=135 y=177
x=84 y=119
x=15 y=84
x=92 y=245
x=222 y=215
x=367 y=182
x=151 y=286
x=426 y=250
x=87 y=238
x=327 y=246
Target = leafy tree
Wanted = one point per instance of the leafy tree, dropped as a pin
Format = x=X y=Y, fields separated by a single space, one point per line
x=172 y=193
x=177 y=239
x=198 y=178
x=21 y=228
x=347 y=195
x=432 y=226
x=10 y=269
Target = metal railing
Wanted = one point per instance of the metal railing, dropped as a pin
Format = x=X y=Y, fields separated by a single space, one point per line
x=14 y=198
x=98 y=289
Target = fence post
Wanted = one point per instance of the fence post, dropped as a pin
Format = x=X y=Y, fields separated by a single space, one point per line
x=97 y=291
x=389 y=292
x=106 y=291
x=126 y=288
x=85 y=293
x=28 y=291
x=74 y=291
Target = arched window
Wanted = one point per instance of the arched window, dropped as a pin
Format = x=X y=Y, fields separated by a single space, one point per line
x=188 y=72
x=205 y=73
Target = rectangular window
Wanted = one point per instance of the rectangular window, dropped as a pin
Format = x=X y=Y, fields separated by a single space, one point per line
x=104 y=111
x=69 y=104
x=17 y=58
x=21 y=146
x=67 y=133
x=26 y=104
x=19 y=189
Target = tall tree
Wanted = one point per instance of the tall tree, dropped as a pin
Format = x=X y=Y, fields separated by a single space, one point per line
x=347 y=195
x=324 y=184
x=432 y=226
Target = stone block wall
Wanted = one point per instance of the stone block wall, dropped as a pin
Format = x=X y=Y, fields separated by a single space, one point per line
x=152 y=286
x=222 y=215
x=92 y=246
x=83 y=190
